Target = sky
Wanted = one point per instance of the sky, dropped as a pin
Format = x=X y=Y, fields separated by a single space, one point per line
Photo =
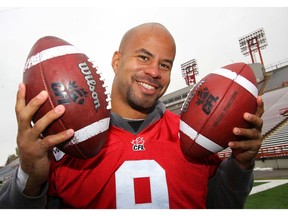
x=209 y=34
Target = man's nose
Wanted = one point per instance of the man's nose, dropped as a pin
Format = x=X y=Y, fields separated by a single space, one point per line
x=153 y=70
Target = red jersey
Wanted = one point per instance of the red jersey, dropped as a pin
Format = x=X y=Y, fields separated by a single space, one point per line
x=147 y=170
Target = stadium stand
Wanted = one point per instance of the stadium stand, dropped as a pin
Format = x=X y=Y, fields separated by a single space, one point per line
x=278 y=79
x=275 y=118
x=275 y=102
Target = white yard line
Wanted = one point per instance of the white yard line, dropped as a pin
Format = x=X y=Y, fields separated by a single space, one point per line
x=270 y=184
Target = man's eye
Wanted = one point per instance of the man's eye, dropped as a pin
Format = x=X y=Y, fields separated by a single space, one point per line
x=144 y=58
x=165 y=66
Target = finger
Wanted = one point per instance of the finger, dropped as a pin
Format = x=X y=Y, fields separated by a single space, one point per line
x=53 y=140
x=25 y=113
x=20 y=98
x=251 y=147
x=35 y=103
x=255 y=120
x=260 y=106
x=47 y=119
x=246 y=150
x=252 y=133
x=240 y=145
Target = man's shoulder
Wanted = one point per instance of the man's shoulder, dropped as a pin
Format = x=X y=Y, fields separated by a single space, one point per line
x=173 y=116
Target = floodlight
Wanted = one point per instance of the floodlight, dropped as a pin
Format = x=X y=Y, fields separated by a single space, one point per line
x=189 y=70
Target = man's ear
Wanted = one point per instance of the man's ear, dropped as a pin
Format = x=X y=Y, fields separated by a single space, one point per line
x=115 y=61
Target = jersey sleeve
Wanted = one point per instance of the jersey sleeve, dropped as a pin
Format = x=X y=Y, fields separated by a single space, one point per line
x=12 y=198
x=230 y=186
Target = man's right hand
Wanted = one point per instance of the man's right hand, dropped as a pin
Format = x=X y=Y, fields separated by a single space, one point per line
x=33 y=148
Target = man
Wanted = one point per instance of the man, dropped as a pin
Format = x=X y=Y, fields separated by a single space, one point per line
x=156 y=176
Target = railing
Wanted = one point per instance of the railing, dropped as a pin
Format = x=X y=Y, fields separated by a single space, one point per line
x=275 y=151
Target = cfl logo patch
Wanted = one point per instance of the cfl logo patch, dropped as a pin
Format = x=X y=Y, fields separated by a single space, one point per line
x=138 y=144
x=207 y=100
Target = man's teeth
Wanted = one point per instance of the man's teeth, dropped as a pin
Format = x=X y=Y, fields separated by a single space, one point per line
x=147 y=86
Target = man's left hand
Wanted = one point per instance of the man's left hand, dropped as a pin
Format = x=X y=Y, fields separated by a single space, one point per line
x=245 y=151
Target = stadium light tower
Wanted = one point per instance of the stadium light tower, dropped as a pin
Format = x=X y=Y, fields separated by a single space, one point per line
x=252 y=43
x=189 y=71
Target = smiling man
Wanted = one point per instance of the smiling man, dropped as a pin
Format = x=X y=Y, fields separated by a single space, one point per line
x=141 y=165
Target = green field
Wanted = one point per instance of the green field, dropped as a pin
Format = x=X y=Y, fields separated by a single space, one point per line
x=275 y=198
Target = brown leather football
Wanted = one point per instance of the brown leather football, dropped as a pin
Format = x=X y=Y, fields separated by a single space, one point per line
x=71 y=79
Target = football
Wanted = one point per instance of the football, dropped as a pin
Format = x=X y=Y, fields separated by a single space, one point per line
x=214 y=106
x=71 y=79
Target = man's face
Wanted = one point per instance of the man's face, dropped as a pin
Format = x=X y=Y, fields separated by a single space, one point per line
x=145 y=64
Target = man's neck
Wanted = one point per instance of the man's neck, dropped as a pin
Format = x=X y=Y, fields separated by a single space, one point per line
x=128 y=112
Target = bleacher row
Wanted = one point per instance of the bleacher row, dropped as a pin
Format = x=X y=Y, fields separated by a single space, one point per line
x=274 y=101
x=278 y=137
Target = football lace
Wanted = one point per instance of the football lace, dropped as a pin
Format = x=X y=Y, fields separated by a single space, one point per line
x=105 y=85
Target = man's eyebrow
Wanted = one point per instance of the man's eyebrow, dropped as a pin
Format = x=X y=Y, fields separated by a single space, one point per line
x=142 y=50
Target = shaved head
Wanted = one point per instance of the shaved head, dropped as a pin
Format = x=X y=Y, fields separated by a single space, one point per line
x=143 y=28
